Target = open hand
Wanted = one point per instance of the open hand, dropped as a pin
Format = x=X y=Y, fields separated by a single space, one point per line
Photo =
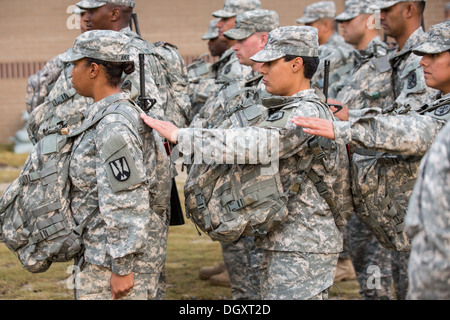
x=315 y=126
x=166 y=129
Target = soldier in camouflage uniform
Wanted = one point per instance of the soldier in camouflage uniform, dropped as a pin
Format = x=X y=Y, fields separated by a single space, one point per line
x=224 y=71
x=69 y=105
x=200 y=69
x=332 y=46
x=300 y=256
x=124 y=246
x=400 y=141
x=428 y=218
x=242 y=259
x=172 y=100
x=366 y=80
x=206 y=78
x=40 y=84
x=72 y=106
x=410 y=93
x=227 y=69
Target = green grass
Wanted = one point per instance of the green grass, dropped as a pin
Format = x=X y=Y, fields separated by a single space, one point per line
x=187 y=252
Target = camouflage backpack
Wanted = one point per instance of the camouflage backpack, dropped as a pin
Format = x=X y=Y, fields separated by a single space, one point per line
x=170 y=74
x=36 y=222
x=380 y=204
x=41 y=83
x=229 y=201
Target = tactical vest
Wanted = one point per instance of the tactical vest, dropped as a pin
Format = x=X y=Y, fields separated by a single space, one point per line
x=230 y=201
x=36 y=221
x=380 y=203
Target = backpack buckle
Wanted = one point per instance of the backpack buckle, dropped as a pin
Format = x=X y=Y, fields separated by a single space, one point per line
x=236 y=205
x=201 y=203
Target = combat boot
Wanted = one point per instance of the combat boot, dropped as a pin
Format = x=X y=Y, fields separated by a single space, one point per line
x=221 y=280
x=344 y=270
x=207 y=272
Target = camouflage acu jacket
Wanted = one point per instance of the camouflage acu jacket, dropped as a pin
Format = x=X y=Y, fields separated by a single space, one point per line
x=226 y=70
x=369 y=84
x=108 y=170
x=408 y=82
x=428 y=224
x=310 y=226
x=341 y=63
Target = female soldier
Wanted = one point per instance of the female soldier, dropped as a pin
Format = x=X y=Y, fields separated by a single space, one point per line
x=111 y=169
x=405 y=135
x=300 y=256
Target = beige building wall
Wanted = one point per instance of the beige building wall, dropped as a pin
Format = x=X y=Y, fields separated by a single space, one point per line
x=34 y=31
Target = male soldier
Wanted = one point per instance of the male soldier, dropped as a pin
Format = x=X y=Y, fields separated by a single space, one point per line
x=300 y=255
x=205 y=78
x=227 y=18
x=242 y=259
x=427 y=221
x=331 y=45
x=39 y=84
x=174 y=101
x=366 y=80
x=227 y=69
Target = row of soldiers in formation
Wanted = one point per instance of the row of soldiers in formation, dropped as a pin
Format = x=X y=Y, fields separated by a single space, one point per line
x=389 y=112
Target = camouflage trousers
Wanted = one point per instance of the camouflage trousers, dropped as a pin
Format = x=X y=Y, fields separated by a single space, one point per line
x=243 y=261
x=372 y=262
x=297 y=275
x=93 y=283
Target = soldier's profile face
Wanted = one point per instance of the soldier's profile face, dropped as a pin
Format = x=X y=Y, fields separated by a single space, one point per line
x=436 y=69
x=80 y=77
x=217 y=46
x=248 y=47
x=353 y=30
x=279 y=78
x=97 y=18
x=225 y=24
x=392 y=20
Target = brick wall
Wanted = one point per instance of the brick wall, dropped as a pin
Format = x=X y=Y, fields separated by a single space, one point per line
x=33 y=31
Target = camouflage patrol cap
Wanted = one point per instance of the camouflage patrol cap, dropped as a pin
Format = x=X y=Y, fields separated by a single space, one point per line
x=437 y=40
x=232 y=8
x=92 y=4
x=384 y=4
x=293 y=40
x=106 y=45
x=318 y=10
x=249 y=22
x=78 y=10
x=213 y=31
x=354 y=8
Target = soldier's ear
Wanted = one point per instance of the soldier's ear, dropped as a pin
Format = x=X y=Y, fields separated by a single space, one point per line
x=115 y=14
x=93 y=70
x=297 y=64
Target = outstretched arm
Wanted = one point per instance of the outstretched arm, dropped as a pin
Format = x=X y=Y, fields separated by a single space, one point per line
x=316 y=126
x=165 y=128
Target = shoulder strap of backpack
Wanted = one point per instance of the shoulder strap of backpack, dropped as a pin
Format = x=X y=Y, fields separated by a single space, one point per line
x=117 y=108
